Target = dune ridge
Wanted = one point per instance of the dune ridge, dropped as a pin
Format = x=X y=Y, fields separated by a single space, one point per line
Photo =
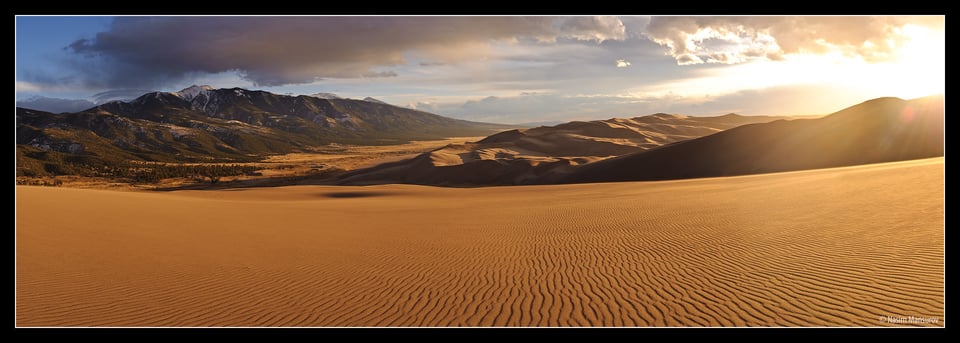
x=522 y=156
x=879 y=130
x=831 y=247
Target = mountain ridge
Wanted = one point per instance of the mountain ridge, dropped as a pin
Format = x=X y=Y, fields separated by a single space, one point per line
x=202 y=124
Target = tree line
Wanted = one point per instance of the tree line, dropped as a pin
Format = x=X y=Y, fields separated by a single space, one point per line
x=153 y=172
x=49 y=163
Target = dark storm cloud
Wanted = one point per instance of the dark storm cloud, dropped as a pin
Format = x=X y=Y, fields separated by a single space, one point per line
x=272 y=51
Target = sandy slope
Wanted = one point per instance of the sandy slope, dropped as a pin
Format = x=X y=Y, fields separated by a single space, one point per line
x=516 y=157
x=845 y=246
x=878 y=130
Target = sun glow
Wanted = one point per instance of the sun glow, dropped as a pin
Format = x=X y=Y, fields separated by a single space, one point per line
x=914 y=69
x=923 y=62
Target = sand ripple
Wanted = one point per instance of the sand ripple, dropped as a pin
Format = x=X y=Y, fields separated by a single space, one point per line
x=837 y=247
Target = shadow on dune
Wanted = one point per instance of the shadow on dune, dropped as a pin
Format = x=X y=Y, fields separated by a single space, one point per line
x=321 y=179
x=349 y=195
x=879 y=130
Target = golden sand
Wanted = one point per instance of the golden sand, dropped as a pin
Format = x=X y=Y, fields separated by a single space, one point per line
x=834 y=247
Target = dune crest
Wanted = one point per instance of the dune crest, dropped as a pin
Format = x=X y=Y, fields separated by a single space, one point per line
x=523 y=155
x=879 y=130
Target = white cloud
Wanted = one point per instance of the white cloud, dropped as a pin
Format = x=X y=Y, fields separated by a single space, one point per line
x=23 y=86
x=43 y=88
x=732 y=40
x=622 y=63
x=598 y=28
x=426 y=106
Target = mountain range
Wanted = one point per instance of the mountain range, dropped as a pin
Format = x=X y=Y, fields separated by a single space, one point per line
x=200 y=124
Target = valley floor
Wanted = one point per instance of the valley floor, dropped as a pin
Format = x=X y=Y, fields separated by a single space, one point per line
x=854 y=246
x=320 y=166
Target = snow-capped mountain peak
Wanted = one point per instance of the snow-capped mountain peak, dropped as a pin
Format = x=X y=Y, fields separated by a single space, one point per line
x=193 y=91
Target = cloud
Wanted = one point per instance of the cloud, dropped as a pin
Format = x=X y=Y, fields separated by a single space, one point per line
x=119 y=94
x=425 y=106
x=622 y=63
x=729 y=40
x=147 y=52
x=23 y=87
x=536 y=106
x=597 y=29
x=792 y=99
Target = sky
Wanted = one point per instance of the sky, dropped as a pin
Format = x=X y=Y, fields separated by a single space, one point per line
x=506 y=69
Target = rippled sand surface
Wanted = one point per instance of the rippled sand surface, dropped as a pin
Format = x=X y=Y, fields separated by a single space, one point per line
x=856 y=246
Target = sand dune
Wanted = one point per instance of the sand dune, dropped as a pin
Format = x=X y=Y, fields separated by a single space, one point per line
x=879 y=130
x=520 y=156
x=834 y=247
